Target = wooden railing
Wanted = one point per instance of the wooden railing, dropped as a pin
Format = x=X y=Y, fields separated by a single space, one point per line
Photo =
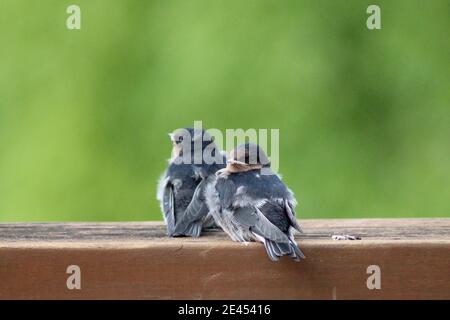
x=395 y=259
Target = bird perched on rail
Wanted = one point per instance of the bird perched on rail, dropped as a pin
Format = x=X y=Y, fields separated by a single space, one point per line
x=194 y=158
x=250 y=202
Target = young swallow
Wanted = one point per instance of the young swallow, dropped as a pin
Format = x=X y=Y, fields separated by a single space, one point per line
x=194 y=158
x=251 y=203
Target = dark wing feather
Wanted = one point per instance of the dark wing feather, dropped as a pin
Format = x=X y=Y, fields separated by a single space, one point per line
x=169 y=208
x=253 y=218
x=291 y=215
x=226 y=190
x=194 y=213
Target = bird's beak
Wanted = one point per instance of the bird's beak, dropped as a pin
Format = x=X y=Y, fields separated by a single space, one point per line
x=170 y=135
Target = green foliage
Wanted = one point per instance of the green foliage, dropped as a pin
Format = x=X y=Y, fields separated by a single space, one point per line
x=363 y=115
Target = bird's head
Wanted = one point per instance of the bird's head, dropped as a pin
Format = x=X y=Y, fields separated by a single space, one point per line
x=246 y=157
x=188 y=139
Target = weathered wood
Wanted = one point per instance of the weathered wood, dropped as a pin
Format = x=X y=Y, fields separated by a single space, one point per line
x=137 y=261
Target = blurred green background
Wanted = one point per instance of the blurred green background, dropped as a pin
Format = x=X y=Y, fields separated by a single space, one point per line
x=364 y=116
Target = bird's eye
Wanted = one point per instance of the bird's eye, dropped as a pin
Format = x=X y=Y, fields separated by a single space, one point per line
x=179 y=140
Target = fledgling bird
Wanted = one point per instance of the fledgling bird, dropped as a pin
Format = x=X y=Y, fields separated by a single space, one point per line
x=194 y=158
x=251 y=203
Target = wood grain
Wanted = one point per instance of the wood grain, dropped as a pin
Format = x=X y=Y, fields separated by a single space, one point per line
x=137 y=261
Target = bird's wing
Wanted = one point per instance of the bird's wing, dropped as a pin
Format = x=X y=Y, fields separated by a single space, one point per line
x=161 y=185
x=289 y=207
x=196 y=210
x=255 y=220
x=226 y=190
x=168 y=206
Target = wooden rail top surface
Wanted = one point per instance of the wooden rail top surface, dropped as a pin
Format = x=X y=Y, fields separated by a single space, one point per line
x=137 y=261
x=315 y=231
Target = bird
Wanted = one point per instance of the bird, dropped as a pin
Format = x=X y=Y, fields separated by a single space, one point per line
x=194 y=158
x=251 y=203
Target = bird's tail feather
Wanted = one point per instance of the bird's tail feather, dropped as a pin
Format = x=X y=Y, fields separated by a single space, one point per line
x=192 y=230
x=268 y=244
x=210 y=223
x=296 y=250
x=275 y=250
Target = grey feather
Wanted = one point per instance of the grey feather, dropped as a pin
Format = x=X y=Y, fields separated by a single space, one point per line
x=291 y=215
x=246 y=216
x=226 y=189
x=196 y=211
x=283 y=248
x=270 y=250
x=275 y=250
x=299 y=254
x=169 y=208
x=266 y=229
x=192 y=230
x=210 y=223
x=252 y=218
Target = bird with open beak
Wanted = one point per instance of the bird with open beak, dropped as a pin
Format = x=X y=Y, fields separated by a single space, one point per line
x=251 y=203
x=195 y=157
